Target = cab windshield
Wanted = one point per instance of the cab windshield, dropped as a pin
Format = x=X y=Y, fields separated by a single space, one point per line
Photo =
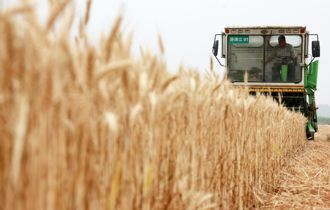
x=264 y=58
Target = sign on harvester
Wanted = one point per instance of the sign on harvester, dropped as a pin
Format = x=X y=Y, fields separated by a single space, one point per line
x=238 y=39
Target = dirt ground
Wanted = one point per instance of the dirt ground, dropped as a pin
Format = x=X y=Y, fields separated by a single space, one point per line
x=305 y=180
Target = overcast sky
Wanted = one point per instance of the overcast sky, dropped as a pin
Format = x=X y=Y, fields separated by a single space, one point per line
x=188 y=26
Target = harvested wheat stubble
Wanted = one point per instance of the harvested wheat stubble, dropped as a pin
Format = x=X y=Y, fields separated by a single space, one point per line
x=324 y=133
x=90 y=127
x=305 y=180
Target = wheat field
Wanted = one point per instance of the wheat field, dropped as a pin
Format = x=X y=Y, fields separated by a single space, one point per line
x=91 y=126
x=304 y=180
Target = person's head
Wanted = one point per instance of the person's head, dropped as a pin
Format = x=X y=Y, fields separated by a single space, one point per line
x=281 y=41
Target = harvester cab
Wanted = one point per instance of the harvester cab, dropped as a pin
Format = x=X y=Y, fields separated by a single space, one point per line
x=273 y=60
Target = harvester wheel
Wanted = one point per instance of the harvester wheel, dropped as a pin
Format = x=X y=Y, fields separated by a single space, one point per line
x=310 y=136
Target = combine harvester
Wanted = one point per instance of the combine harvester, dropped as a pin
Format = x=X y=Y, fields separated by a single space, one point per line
x=276 y=61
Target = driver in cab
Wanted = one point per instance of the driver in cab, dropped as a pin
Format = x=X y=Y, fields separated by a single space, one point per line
x=283 y=54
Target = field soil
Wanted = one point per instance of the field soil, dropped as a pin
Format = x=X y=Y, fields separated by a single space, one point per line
x=305 y=180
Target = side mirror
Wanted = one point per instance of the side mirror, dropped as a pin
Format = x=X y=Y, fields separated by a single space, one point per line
x=316 y=49
x=215 y=48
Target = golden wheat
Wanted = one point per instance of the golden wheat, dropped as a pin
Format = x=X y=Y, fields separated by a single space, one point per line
x=91 y=127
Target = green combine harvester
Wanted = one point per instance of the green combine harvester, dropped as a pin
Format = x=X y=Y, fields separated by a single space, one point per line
x=274 y=60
